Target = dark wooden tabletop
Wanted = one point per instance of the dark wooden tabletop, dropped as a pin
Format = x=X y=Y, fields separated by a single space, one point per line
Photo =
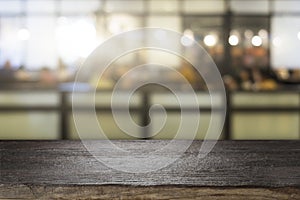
x=42 y=168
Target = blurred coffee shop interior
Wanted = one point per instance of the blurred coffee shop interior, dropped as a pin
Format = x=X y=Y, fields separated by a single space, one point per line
x=254 y=43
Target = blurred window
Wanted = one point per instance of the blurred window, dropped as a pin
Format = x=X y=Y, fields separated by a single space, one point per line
x=75 y=38
x=287 y=6
x=114 y=24
x=165 y=6
x=10 y=7
x=124 y=6
x=249 y=6
x=204 y=6
x=208 y=31
x=167 y=22
x=11 y=47
x=117 y=23
x=40 y=47
x=40 y=7
x=285 y=46
x=57 y=28
x=79 y=6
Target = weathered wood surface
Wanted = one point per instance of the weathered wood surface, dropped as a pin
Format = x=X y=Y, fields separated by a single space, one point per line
x=232 y=170
x=146 y=192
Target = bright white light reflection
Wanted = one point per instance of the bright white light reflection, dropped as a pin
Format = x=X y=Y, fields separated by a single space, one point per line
x=76 y=39
x=256 y=41
x=298 y=35
x=210 y=40
x=233 y=40
x=23 y=34
x=188 y=38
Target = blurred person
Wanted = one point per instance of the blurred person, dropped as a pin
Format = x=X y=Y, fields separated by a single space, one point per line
x=103 y=82
x=262 y=81
x=295 y=76
x=282 y=73
x=268 y=84
x=22 y=74
x=230 y=82
x=192 y=76
x=245 y=80
x=47 y=77
x=63 y=74
x=248 y=60
x=7 y=74
x=188 y=72
x=257 y=78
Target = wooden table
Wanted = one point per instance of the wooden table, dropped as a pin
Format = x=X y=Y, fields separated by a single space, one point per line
x=232 y=170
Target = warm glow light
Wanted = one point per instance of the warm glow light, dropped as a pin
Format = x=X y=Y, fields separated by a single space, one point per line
x=276 y=41
x=210 y=40
x=263 y=33
x=189 y=33
x=23 y=34
x=248 y=34
x=233 y=40
x=188 y=38
x=256 y=41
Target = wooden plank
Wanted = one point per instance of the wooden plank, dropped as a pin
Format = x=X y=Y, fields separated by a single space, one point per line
x=149 y=192
x=231 y=163
x=239 y=166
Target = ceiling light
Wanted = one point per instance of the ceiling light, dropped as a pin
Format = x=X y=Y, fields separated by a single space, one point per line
x=256 y=41
x=210 y=40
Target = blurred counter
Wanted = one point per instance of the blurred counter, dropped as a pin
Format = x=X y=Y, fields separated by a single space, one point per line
x=47 y=114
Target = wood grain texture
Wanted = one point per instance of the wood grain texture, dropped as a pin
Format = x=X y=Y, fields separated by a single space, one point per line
x=146 y=192
x=258 y=169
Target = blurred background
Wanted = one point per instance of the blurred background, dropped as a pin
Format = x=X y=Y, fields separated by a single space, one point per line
x=254 y=43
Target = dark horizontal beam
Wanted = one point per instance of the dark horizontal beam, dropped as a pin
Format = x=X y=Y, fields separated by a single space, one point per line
x=277 y=109
x=28 y=108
